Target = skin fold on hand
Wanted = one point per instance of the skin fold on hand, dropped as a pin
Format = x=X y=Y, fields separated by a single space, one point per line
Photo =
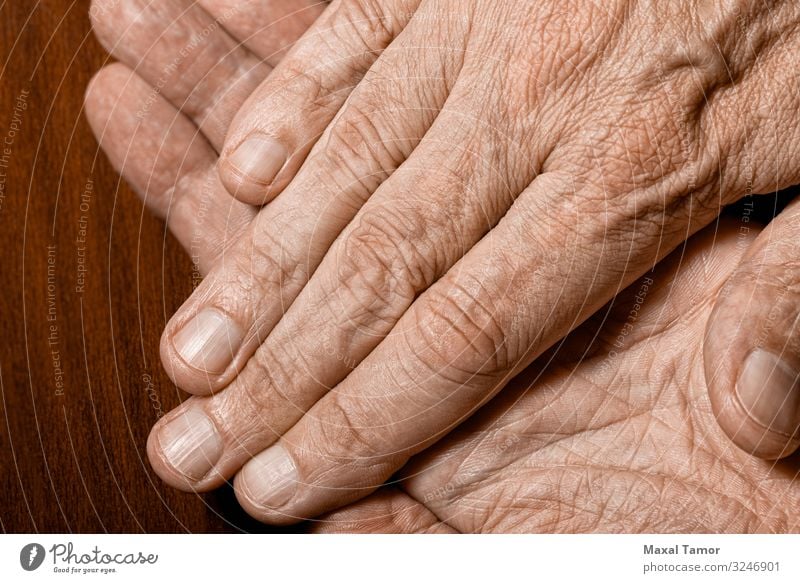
x=253 y=414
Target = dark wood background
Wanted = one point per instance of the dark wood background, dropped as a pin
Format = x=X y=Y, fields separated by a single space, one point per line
x=80 y=378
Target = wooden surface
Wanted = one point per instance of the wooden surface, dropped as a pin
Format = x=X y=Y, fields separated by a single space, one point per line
x=80 y=376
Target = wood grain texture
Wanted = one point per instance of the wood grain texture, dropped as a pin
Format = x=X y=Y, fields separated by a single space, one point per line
x=88 y=281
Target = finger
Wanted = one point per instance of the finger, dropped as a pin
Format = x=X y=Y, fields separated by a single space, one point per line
x=272 y=135
x=267 y=27
x=166 y=161
x=386 y=511
x=246 y=296
x=752 y=343
x=184 y=54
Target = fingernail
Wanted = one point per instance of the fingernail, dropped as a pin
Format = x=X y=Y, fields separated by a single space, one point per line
x=768 y=390
x=270 y=478
x=259 y=158
x=209 y=341
x=190 y=443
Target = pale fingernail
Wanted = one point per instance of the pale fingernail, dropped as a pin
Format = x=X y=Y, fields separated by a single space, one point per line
x=190 y=443
x=270 y=478
x=768 y=390
x=209 y=341
x=259 y=158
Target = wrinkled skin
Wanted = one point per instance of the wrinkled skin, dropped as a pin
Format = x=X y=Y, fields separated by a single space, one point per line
x=153 y=177
x=488 y=175
x=622 y=440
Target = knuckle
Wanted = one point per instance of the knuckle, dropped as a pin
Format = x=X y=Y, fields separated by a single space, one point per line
x=462 y=331
x=350 y=432
x=654 y=145
x=382 y=265
x=355 y=144
x=767 y=292
x=362 y=27
x=316 y=86
x=263 y=397
x=367 y=22
x=772 y=279
x=779 y=258
x=265 y=269
x=658 y=163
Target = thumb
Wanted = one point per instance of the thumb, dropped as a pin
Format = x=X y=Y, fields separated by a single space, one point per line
x=752 y=344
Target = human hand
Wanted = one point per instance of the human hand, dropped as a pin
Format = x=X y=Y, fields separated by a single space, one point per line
x=590 y=157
